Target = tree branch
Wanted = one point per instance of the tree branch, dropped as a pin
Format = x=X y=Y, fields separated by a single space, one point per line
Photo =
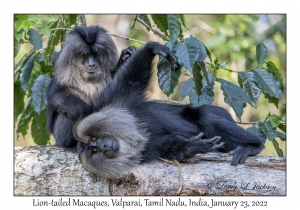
x=49 y=170
x=130 y=39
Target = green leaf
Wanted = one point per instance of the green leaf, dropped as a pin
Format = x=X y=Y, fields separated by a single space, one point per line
x=223 y=64
x=38 y=94
x=268 y=130
x=272 y=100
x=174 y=27
x=167 y=77
x=21 y=22
x=206 y=97
x=73 y=19
x=282 y=127
x=38 y=129
x=208 y=54
x=283 y=111
x=25 y=118
x=261 y=52
x=18 y=100
x=17 y=66
x=182 y=20
x=35 y=39
x=187 y=88
x=161 y=22
x=53 y=40
x=70 y=20
x=282 y=136
x=172 y=45
x=194 y=98
x=210 y=77
x=180 y=36
x=240 y=82
x=207 y=94
x=197 y=79
x=194 y=49
x=257 y=132
x=146 y=20
x=202 y=52
x=234 y=96
x=27 y=26
x=16 y=49
x=267 y=82
x=250 y=86
x=23 y=61
x=36 y=71
x=275 y=120
x=26 y=72
x=18 y=34
x=182 y=55
x=34 y=22
x=278 y=150
x=216 y=61
x=134 y=21
x=54 y=56
x=216 y=64
x=46 y=30
x=273 y=69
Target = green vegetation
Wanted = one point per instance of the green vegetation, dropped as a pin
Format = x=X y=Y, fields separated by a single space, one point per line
x=206 y=63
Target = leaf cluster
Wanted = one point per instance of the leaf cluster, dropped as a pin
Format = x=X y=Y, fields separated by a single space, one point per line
x=35 y=69
x=197 y=63
x=33 y=72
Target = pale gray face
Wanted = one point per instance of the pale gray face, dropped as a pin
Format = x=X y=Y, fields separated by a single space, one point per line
x=85 y=65
x=91 y=61
x=111 y=142
x=90 y=67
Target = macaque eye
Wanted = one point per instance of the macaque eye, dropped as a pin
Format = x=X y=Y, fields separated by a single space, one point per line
x=94 y=149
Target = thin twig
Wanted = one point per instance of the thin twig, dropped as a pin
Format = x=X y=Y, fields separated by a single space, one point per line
x=189 y=33
x=168 y=101
x=25 y=59
x=52 y=41
x=238 y=71
x=180 y=176
x=153 y=30
x=232 y=70
x=175 y=162
x=207 y=27
x=224 y=68
x=187 y=72
x=245 y=123
x=127 y=38
x=56 y=29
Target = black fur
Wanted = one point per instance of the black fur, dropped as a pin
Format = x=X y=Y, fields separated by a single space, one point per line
x=171 y=131
x=83 y=69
